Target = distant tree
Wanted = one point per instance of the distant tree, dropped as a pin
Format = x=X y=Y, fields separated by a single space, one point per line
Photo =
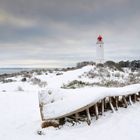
x=84 y=63
x=110 y=63
x=113 y=64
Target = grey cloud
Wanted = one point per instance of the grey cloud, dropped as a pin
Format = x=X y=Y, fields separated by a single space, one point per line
x=67 y=29
x=73 y=11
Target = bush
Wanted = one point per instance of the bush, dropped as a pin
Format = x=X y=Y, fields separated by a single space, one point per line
x=38 y=82
x=113 y=65
x=35 y=81
x=23 y=79
x=7 y=80
x=85 y=63
x=75 y=84
x=59 y=73
x=100 y=65
x=117 y=74
x=19 y=88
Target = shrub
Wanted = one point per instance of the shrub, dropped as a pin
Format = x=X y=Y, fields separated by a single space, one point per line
x=117 y=74
x=36 y=81
x=23 y=79
x=59 y=73
x=113 y=65
x=85 y=63
x=42 y=84
x=49 y=123
x=75 y=84
x=100 y=65
x=7 y=80
x=19 y=88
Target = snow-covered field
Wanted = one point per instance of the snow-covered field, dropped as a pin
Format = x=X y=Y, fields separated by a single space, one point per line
x=20 y=119
x=20 y=115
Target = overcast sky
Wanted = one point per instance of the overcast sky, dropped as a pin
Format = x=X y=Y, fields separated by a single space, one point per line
x=59 y=33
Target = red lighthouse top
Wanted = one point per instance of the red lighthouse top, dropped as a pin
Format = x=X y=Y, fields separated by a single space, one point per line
x=100 y=38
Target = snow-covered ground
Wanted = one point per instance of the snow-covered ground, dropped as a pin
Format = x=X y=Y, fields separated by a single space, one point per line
x=20 y=115
x=20 y=119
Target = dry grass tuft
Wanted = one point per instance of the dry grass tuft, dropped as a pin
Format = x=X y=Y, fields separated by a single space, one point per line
x=50 y=123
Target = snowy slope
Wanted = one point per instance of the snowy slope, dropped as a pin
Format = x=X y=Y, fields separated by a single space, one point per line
x=91 y=74
x=57 y=81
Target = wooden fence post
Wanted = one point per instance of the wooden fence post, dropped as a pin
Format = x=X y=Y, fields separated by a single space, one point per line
x=88 y=116
x=135 y=98
x=41 y=110
x=116 y=102
x=110 y=103
x=96 y=111
x=103 y=105
x=130 y=101
x=76 y=117
x=125 y=102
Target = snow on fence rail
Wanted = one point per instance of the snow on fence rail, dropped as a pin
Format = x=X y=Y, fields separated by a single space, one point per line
x=75 y=104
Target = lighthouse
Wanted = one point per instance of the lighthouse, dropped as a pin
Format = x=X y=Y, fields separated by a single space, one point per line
x=99 y=50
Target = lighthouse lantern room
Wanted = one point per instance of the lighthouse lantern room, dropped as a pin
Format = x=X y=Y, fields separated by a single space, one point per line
x=99 y=50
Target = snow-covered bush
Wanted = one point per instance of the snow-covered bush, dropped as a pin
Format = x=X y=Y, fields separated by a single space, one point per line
x=42 y=84
x=27 y=75
x=117 y=74
x=19 y=88
x=91 y=74
x=36 y=81
x=75 y=84
x=49 y=92
x=112 y=83
x=8 y=80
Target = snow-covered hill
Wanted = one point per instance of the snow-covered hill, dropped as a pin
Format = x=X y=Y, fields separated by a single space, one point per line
x=92 y=75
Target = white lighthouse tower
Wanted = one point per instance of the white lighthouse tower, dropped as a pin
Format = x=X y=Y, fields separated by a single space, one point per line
x=99 y=50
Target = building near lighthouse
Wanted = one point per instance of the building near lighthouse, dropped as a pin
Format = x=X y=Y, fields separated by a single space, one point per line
x=99 y=50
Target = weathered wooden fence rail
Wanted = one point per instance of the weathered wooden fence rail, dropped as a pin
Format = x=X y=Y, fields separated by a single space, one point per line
x=95 y=110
